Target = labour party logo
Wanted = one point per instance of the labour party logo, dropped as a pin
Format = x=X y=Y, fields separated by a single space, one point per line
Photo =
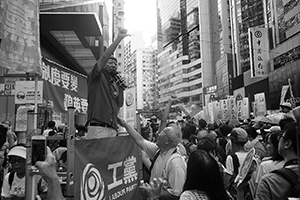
x=92 y=185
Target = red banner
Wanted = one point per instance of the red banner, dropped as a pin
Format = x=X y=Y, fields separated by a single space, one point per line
x=107 y=169
x=19 y=35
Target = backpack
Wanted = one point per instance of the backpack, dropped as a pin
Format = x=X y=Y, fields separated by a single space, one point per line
x=232 y=185
x=232 y=189
x=187 y=148
x=292 y=178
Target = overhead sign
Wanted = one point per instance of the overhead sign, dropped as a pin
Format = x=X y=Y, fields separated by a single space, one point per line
x=19 y=30
x=259 y=51
x=25 y=92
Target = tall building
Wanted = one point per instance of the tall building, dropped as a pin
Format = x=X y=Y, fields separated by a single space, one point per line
x=243 y=15
x=283 y=17
x=224 y=66
x=140 y=66
x=187 y=48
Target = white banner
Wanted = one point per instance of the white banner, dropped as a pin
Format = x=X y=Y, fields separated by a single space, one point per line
x=284 y=90
x=260 y=104
x=130 y=101
x=25 y=92
x=259 y=51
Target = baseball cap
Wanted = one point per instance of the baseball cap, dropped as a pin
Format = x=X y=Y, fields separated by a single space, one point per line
x=19 y=151
x=239 y=135
x=286 y=105
x=273 y=129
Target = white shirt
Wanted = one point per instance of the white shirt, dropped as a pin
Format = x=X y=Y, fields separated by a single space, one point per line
x=17 y=187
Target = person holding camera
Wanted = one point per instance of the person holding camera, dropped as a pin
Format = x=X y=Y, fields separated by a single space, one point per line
x=105 y=93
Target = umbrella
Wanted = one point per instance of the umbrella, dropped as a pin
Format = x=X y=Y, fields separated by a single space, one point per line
x=275 y=118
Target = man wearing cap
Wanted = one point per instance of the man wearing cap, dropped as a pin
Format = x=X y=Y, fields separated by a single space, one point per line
x=15 y=189
x=286 y=108
x=238 y=139
x=169 y=165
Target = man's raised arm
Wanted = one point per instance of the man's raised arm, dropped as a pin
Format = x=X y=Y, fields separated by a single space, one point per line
x=138 y=139
x=110 y=50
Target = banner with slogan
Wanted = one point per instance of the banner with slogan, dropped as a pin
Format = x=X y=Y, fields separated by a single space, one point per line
x=63 y=88
x=107 y=169
x=259 y=51
x=19 y=33
x=130 y=103
x=260 y=104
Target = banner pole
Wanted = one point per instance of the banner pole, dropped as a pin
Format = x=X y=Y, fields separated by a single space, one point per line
x=36 y=78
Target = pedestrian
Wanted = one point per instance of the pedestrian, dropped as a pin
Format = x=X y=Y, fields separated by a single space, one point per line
x=204 y=180
x=105 y=93
x=286 y=108
x=51 y=129
x=169 y=165
x=273 y=185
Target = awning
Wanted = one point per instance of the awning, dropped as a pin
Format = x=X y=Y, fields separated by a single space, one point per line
x=71 y=38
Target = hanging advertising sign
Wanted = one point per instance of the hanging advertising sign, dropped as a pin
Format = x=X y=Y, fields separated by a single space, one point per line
x=63 y=88
x=259 y=51
x=25 y=92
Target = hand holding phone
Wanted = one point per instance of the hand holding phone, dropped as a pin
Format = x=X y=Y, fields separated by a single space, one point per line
x=38 y=150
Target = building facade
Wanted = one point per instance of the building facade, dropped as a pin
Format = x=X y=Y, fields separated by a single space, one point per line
x=187 y=49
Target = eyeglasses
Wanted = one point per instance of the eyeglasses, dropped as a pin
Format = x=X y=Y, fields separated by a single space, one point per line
x=15 y=160
x=281 y=136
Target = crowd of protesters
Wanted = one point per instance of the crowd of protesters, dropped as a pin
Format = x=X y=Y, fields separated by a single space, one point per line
x=225 y=145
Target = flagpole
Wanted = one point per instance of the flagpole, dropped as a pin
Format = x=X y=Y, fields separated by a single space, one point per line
x=36 y=78
x=291 y=89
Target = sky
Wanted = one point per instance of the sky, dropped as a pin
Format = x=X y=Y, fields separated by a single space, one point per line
x=140 y=15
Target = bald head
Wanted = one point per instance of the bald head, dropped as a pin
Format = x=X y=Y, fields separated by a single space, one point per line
x=174 y=133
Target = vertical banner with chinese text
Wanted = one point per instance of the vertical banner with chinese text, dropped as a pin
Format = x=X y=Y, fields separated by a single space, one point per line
x=107 y=169
x=19 y=33
x=63 y=88
x=259 y=51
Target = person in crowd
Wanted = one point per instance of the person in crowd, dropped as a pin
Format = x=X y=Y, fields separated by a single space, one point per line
x=51 y=129
x=254 y=142
x=224 y=130
x=202 y=124
x=170 y=166
x=48 y=172
x=15 y=189
x=187 y=131
x=210 y=146
x=275 y=186
x=11 y=135
x=275 y=161
x=238 y=139
x=105 y=93
x=286 y=120
x=81 y=132
x=286 y=108
x=204 y=180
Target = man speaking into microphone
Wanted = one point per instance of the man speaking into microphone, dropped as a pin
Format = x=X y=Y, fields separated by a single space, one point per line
x=105 y=93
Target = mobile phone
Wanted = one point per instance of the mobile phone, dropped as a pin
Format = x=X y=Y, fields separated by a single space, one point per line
x=38 y=148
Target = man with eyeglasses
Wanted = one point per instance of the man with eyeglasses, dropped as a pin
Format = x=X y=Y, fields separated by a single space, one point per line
x=169 y=166
x=14 y=186
x=273 y=185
